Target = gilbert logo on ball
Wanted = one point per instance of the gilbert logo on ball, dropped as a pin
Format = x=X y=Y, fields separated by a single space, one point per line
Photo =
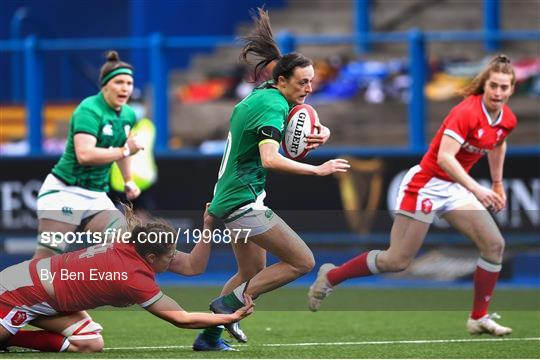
x=300 y=124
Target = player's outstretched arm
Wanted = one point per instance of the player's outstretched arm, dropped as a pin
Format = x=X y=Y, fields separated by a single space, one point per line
x=169 y=310
x=196 y=261
x=271 y=159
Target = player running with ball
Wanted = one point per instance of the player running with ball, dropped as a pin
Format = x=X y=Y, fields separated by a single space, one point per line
x=252 y=148
x=441 y=185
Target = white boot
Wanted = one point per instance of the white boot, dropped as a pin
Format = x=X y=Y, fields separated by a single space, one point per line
x=321 y=288
x=486 y=325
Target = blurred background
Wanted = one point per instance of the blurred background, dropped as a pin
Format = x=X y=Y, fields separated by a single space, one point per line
x=386 y=76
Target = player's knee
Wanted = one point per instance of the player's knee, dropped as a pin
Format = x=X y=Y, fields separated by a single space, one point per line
x=396 y=263
x=494 y=249
x=402 y=265
x=305 y=265
x=89 y=346
x=85 y=336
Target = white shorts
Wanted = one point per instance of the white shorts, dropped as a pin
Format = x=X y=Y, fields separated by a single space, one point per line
x=69 y=204
x=21 y=301
x=422 y=196
x=254 y=218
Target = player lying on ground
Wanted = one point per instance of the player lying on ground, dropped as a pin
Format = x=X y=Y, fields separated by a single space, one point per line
x=50 y=293
x=441 y=185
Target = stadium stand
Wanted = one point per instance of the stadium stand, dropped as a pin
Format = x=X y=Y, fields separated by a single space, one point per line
x=355 y=121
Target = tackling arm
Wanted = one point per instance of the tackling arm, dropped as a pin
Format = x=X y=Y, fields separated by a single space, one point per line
x=195 y=262
x=169 y=310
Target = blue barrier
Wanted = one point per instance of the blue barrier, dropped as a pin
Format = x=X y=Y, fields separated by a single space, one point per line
x=156 y=44
x=362 y=24
x=34 y=96
x=15 y=32
x=159 y=77
x=491 y=22
x=417 y=104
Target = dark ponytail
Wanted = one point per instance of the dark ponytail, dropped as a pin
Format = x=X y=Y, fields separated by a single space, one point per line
x=261 y=44
x=112 y=56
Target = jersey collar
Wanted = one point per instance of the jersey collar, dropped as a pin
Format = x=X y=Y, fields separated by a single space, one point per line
x=488 y=117
x=111 y=110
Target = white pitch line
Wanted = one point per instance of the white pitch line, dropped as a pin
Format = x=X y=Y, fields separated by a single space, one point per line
x=384 y=342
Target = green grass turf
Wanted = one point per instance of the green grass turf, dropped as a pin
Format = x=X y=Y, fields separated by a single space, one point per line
x=353 y=315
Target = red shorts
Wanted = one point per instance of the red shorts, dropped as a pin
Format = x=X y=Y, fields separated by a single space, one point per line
x=22 y=297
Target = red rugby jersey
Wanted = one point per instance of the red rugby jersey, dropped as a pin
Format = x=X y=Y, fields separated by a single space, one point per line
x=103 y=275
x=469 y=124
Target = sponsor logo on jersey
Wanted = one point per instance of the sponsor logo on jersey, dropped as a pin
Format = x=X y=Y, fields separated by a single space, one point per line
x=66 y=210
x=473 y=149
x=107 y=130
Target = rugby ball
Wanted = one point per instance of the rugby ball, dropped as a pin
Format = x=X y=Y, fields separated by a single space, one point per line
x=300 y=123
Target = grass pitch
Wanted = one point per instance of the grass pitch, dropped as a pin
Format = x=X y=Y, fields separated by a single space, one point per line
x=354 y=323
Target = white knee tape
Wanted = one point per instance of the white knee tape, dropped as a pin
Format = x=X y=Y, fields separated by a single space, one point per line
x=85 y=329
x=372 y=261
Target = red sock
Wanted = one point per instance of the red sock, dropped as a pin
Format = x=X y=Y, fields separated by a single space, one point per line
x=485 y=279
x=356 y=267
x=38 y=340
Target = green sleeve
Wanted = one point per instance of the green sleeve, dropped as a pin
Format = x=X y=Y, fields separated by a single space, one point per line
x=85 y=121
x=274 y=115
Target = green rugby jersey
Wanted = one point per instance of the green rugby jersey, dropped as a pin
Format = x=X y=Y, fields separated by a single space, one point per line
x=242 y=177
x=95 y=117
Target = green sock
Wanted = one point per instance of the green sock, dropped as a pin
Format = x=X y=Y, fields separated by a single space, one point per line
x=213 y=333
x=232 y=301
